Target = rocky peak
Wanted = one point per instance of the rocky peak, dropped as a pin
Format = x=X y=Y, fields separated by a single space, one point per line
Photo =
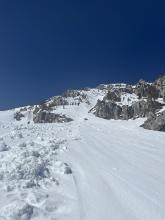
x=117 y=101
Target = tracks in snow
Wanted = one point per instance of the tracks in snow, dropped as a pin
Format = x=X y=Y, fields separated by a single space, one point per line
x=118 y=172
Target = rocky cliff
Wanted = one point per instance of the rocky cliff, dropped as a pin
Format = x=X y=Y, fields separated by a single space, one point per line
x=115 y=101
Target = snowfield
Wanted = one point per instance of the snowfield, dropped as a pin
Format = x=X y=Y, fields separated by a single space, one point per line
x=119 y=171
x=87 y=169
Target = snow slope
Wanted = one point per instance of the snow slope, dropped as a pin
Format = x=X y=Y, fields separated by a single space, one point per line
x=118 y=171
x=117 y=168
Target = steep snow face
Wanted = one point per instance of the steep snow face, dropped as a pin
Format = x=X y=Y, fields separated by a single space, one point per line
x=87 y=169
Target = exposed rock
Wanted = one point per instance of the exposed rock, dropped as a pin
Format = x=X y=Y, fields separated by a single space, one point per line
x=153 y=92
x=36 y=110
x=118 y=103
x=110 y=110
x=127 y=112
x=44 y=106
x=141 y=89
x=18 y=116
x=51 y=103
x=128 y=89
x=48 y=117
x=155 y=122
x=4 y=147
x=160 y=85
x=113 y=96
x=118 y=87
x=146 y=90
x=143 y=108
x=57 y=101
x=67 y=169
x=86 y=89
x=71 y=93
x=101 y=87
x=107 y=110
x=139 y=109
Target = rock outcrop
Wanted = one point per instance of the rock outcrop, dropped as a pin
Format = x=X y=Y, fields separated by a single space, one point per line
x=120 y=87
x=109 y=109
x=142 y=108
x=155 y=122
x=49 y=117
x=127 y=112
x=57 y=101
x=141 y=89
x=146 y=90
x=71 y=93
x=120 y=102
x=113 y=96
x=160 y=85
x=147 y=103
x=18 y=116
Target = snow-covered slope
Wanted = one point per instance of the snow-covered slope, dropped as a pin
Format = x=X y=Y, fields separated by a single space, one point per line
x=87 y=169
x=118 y=170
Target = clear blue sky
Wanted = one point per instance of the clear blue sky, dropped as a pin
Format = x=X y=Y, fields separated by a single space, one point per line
x=49 y=46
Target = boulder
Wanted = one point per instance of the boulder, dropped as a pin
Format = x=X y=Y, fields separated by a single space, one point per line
x=4 y=147
x=155 y=122
x=18 y=116
x=67 y=169
x=49 y=117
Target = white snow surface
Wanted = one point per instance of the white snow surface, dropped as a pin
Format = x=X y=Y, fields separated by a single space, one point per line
x=118 y=168
x=128 y=99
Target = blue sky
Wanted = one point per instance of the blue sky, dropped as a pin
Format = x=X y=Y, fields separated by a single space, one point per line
x=49 y=46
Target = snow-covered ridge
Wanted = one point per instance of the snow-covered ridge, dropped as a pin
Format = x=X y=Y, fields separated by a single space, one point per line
x=85 y=169
x=124 y=102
